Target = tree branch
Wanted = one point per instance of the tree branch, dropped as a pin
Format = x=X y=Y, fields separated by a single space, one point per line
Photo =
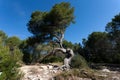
x=53 y=52
x=58 y=38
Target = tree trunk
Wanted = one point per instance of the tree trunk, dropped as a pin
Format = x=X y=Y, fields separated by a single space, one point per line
x=68 y=52
x=61 y=40
x=68 y=57
x=67 y=60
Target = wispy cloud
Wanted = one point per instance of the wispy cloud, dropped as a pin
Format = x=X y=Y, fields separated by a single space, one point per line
x=18 y=9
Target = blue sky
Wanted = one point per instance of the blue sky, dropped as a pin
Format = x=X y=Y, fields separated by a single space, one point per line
x=91 y=15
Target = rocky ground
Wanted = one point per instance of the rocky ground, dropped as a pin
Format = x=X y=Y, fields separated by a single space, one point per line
x=107 y=74
x=47 y=72
x=38 y=72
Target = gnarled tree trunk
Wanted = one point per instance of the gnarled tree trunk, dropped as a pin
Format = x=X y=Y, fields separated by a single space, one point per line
x=67 y=60
x=69 y=56
x=68 y=52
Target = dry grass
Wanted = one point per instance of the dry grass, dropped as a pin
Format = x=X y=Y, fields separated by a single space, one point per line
x=79 y=74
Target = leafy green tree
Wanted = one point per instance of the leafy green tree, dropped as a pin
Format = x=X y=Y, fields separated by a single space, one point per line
x=113 y=29
x=3 y=37
x=98 y=47
x=77 y=48
x=51 y=26
x=8 y=63
x=67 y=44
x=33 y=50
x=13 y=41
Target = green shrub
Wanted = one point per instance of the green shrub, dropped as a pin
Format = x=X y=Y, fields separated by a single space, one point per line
x=76 y=74
x=78 y=62
x=9 y=63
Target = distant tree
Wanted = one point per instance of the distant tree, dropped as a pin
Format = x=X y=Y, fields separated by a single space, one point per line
x=77 y=48
x=13 y=41
x=113 y=29
x=67 y=44
x=97 y=47
x=3 y=37
x=51 y=26
x=9 y=64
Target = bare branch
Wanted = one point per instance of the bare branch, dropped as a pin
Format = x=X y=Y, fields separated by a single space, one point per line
x=60 y=49
x=57 y=37
x=53 y=52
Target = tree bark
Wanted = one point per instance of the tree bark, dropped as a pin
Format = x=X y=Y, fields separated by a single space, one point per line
x=68 y=52
x=59 y=39
x=69 y=56
x=67 y=60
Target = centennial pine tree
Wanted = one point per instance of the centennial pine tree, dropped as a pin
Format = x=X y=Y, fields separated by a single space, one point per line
x=51 y=26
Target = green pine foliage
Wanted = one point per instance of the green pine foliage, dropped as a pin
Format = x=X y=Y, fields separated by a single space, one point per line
x=9 y=62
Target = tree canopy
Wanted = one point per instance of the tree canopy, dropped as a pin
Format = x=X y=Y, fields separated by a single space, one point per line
x=3 y=36
x=51 y=25
x=13 y=41
x=97 y=47
x=113 y=27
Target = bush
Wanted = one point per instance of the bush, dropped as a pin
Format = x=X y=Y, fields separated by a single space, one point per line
x=77 y=74
x=9 y=62
x=78 y=62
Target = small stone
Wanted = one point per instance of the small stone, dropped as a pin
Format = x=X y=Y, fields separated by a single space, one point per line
x=103 y=75
x=106 y=70
x=0 y=73
x=115 y=78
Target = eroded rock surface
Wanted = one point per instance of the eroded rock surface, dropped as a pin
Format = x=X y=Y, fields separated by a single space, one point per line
x=48 y=72
x=36 y=72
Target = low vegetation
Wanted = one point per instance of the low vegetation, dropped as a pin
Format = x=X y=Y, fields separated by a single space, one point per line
x=9 y=62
